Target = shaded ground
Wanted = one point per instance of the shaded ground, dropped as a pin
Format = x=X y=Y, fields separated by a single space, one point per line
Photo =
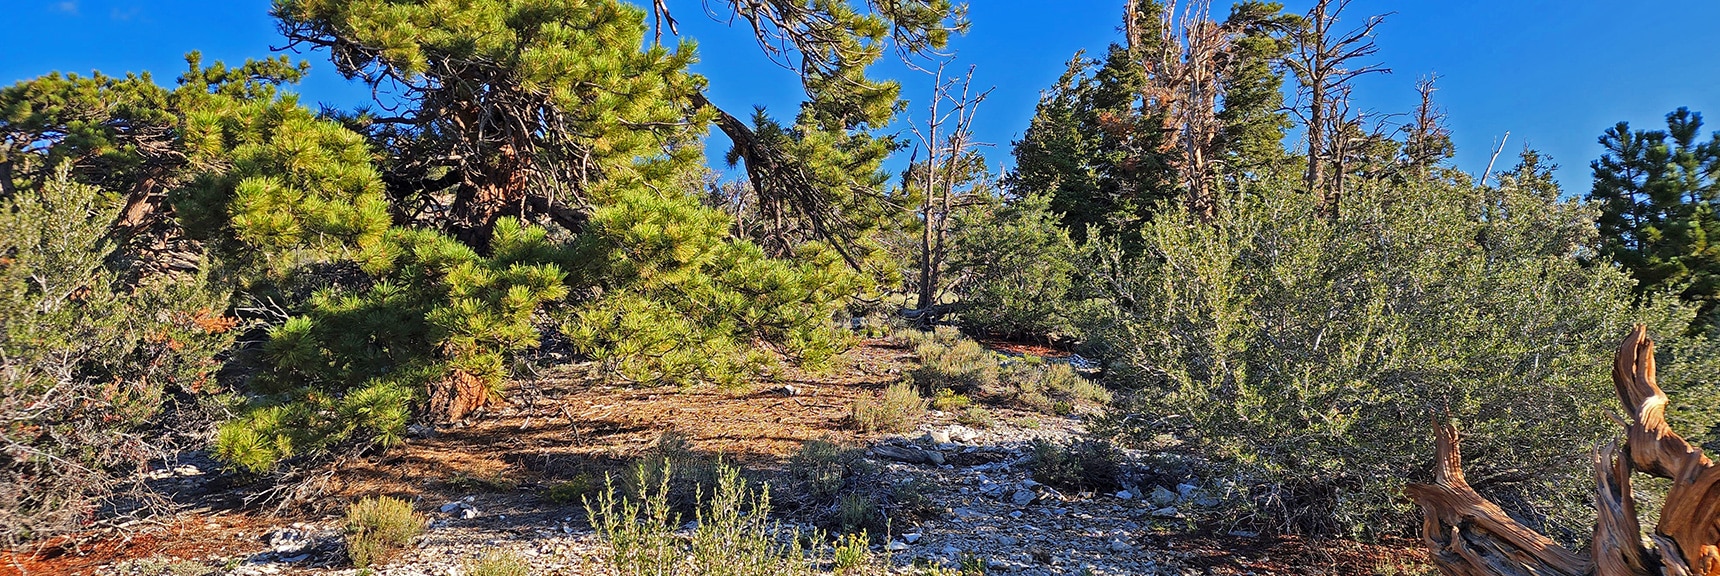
x=562 y=428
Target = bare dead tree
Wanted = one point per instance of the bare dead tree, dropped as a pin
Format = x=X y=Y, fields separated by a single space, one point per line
x=947 y=139
x=1185 y=79
x=1326 y=61
x=1468 y=535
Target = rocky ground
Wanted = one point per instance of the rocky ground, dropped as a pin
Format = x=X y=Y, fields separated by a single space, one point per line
x=484 y=486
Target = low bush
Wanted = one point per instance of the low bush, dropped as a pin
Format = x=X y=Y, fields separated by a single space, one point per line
x=87 y=362
x=894 y=410
x=671 y=463
x=498 y=562
x=822 y=469
x=378 y=528
x=954 y=368
x=1082 y=465
x=977 y=417
x=734 y=535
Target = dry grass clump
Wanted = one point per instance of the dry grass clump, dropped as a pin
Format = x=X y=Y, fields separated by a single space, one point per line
x=378 y=528
x=893 y=411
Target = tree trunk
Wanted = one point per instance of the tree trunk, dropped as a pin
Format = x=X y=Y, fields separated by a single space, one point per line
x=1469 y=536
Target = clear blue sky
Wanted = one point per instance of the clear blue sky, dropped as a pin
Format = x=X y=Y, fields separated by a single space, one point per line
x=1552 y=73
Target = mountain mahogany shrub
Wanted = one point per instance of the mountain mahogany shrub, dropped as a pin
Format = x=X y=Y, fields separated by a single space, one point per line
x=1310 y=356
x=86 y=362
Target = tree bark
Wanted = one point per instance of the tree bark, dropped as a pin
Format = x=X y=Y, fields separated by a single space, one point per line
x=1470 y=536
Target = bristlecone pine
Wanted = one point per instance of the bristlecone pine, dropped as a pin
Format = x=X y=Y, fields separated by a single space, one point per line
x=1470 y=536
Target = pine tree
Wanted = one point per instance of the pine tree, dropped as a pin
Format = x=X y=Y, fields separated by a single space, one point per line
x=1657 y=191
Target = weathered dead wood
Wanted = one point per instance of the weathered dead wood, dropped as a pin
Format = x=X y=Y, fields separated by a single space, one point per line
x=1470 y=536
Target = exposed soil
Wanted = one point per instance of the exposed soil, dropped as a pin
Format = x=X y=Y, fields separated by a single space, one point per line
x=562 y=426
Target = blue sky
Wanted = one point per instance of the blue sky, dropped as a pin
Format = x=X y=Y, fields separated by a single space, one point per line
x=1552 y=73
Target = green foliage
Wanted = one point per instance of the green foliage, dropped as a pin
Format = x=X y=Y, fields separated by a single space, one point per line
x=895 y=410
x=1021 y=266
x=1656 y=190
x=1082 y=465
x=951 y=363
x=1309 y=355
x=86 y=361
x=498 y=562
x=734 y=537
x=823 y=469
x=378 y=528
x=681 y=303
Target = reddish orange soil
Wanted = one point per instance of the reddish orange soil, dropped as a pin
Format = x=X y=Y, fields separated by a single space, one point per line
x=190 y=537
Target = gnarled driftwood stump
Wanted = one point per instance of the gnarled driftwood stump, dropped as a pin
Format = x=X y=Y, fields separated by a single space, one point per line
x=1469 y=536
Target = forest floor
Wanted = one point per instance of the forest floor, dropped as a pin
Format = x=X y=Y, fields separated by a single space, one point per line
x=493 y=482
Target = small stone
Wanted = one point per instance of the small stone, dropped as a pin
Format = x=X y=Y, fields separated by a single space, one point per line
x=1125 y=495
x=1029 y=484
x=911 y=537
x=935 y=457
x=938 y=437
x=1016 y=514
x=951 y=550
x=1022 y=497
x=1163 y=497
x=895 y=546
x=1007 y=541
x=449 y=507
x=467 y=513
x=1120 y=546
x=996 y=564
x=1186 y=490
x=1166 y=512
x=966 y=513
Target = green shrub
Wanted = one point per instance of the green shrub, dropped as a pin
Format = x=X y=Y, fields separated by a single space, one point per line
x=498 y=562
x=852 y=554
x=1308 y=355
x=87 y=362
x=858 y=512
x=734 y=535
x=378 y=528
x=1078 y=466
x=893 y=411
x=1022 y=267
x=949 y=401
x=822 y=469
x=977 y=417
x=577 y=489
x=672 y=463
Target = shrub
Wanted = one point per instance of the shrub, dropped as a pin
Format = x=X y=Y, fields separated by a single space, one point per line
x=734 y=534
x=858 y=512
x=87 y=362
x=378 y=528
x=498 y=562
x=1022 y=267
x=823 y=469
x=1078 y=466
x=893 y=411
x=682 y=472
x=950 y=401
x=852 y=554
x=977 y=417
x=1308 y=355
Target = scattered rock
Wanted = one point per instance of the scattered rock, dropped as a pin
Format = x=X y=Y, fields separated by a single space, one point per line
x=938 y=437
x=1125 y=495
x=1162 y=497
x=1166 y=512
x=1022 y=497
x=895 y=546
x=1120 y=546
x=911 y=537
